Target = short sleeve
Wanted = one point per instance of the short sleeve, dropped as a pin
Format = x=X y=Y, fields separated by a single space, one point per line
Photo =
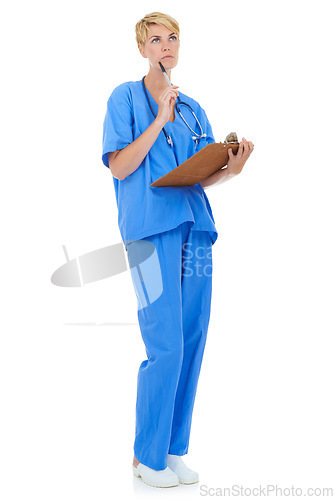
x=118 y=121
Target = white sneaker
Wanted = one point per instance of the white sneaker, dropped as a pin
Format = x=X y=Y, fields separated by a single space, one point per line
x=158 y=478
x=185 y=475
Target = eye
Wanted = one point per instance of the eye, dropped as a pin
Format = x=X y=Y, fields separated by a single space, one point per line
x=171 y=37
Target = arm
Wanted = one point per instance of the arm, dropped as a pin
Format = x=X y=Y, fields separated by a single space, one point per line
x=218 y=177
x=125 y=161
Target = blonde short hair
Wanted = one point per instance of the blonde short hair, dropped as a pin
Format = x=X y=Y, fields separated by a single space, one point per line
x=143 y=25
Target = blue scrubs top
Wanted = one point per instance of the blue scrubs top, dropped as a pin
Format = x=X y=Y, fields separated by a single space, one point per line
x=144 y=210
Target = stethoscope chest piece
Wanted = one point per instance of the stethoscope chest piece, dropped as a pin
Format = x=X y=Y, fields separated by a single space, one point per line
x=170 y=140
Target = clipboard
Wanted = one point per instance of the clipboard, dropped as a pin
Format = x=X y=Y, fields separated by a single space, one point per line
x=199 y=166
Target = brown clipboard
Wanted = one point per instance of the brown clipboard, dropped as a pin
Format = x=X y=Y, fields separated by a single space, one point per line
x=199 y=166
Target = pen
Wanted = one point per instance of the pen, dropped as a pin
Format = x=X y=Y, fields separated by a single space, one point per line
x=166 y=76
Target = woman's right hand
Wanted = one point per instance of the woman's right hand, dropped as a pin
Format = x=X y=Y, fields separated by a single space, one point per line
x=166 y=103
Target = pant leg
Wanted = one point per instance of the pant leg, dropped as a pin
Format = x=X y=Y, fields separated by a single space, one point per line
x=160 y=324
x=196 y=306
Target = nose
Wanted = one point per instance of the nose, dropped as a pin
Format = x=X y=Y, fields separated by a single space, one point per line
x=165 y=45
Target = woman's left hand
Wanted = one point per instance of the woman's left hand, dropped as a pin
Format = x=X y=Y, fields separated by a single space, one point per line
x=236 y=162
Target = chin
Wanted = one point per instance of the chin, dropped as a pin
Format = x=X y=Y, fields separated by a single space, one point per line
x=168 y=63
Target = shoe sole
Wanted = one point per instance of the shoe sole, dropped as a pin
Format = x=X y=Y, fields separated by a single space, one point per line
x=188 y=482
x=137 y=474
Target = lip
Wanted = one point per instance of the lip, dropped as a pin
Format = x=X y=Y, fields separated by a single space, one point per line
x=168 y=57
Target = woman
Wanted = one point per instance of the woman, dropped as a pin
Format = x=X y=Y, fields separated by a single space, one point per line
x=144 y=137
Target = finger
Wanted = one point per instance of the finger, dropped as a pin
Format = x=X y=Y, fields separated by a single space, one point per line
x=172 y=92
x=246 y=148
x=171 y=99
x=167 y=96
x=240 y=149
x=170 y=88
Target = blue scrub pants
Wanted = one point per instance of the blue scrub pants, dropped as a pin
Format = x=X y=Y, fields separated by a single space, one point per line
x=174 y=330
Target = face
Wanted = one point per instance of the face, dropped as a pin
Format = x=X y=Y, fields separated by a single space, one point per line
x=161 y=42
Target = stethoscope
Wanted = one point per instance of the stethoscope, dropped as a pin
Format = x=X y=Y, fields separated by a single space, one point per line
x=178 y=104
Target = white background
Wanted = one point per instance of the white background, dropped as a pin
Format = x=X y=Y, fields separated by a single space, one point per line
x=264 y=407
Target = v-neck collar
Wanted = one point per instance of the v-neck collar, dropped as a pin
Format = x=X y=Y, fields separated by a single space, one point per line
x=155 y=102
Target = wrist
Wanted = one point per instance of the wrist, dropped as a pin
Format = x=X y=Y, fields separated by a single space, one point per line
x=229 y=172
x=159 y=122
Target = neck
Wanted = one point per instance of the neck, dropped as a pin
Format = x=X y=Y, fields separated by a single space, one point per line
x=155 y=80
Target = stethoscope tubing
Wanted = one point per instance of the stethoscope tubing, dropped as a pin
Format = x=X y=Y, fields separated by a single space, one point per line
x=178 y=103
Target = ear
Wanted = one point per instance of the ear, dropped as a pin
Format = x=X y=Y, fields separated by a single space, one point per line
x=141 y=50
